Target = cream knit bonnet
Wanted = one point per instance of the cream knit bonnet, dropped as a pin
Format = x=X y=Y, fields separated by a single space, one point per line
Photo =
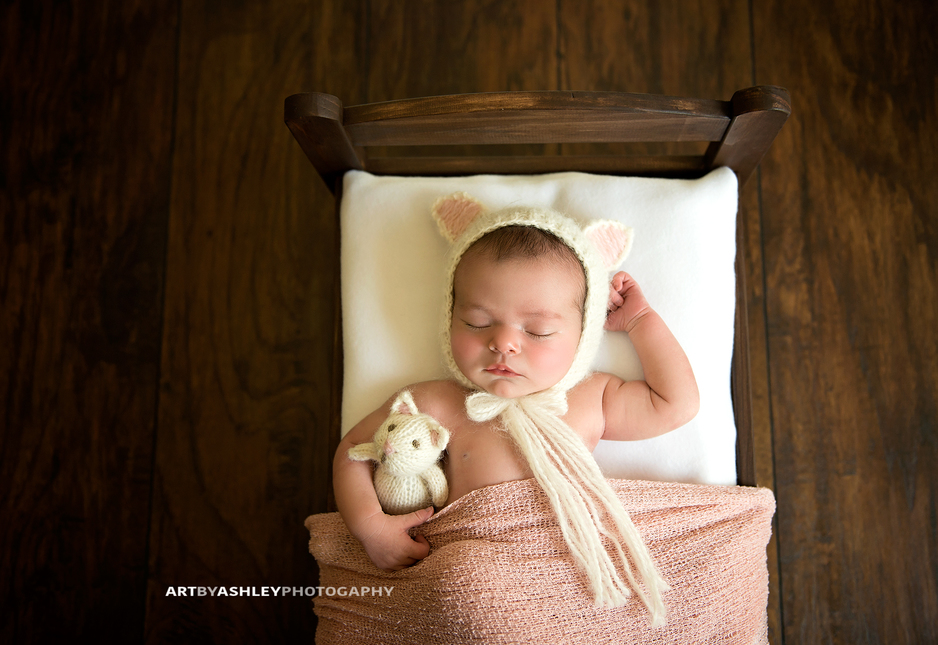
x=591 y=517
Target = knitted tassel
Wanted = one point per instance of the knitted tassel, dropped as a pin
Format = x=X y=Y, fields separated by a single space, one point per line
x=579 y=494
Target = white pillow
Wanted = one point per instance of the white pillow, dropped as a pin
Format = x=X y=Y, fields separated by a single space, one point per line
x=682 y=257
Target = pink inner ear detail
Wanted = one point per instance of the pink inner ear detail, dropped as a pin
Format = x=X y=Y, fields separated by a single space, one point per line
x=610 y=240
x=455 y=213
x=403 y=408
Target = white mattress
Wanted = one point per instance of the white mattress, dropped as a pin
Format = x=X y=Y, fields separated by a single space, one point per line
x=683 y=258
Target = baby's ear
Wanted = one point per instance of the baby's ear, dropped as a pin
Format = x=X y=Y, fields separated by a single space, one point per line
x=454 y=213
x=612 y=239
x=404 y=404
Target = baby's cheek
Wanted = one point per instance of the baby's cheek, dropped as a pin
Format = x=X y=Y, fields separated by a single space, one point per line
x=462 y=346
x=558 y=360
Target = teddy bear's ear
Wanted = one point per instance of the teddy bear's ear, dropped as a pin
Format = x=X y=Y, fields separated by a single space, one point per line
x=440 y=436
x=404 y=404
x=454 y=213
x=612 y=239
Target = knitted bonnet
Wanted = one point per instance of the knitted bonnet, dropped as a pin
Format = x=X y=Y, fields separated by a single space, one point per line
x=590 y=516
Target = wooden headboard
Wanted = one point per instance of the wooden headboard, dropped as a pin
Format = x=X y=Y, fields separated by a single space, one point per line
x=737 y=134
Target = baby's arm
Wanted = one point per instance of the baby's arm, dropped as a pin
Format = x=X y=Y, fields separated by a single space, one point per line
x=383 y=536
x=668 y=397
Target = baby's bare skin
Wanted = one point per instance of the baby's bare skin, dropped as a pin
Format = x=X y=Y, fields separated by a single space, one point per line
x=480 y=454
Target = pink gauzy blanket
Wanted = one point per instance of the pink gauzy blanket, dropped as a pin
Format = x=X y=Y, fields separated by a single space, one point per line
x=499 y=572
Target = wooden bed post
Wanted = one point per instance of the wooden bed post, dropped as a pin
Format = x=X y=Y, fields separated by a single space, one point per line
x=758 y=115
x=315 y=120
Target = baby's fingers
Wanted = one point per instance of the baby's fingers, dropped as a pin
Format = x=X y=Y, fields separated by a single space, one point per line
x=415 y=518
x=416 y=550
x=620 y=280
x=421 y=548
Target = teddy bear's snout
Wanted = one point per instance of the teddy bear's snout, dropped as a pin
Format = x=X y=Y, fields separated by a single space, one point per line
x=388 y=448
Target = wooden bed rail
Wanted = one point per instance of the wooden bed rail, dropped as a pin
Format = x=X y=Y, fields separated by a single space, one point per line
x=739 y=131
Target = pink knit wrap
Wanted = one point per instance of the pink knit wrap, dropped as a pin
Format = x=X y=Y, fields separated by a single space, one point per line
x=499 y=572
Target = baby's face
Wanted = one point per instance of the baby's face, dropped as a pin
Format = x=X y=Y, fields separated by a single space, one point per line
x=516 y=323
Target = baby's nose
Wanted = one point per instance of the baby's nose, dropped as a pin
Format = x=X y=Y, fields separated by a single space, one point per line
x=504 y=342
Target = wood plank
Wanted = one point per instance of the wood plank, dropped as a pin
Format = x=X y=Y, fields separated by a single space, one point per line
x=852 y=301
x=531 y=117
x=86 y=107
x=686 y=166
x=244 y=447
x=439 y=48
x=681 y=49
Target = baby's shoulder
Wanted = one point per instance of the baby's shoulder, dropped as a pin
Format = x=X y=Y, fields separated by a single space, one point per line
x=585 y=412
x=594 y=385
x=440 y=399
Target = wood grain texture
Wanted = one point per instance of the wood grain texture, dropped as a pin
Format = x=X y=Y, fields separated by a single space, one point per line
x=244 y=450
x=435 y=48
x=681 y=167
x=315 y=120
x=334 y=139
x=850 y=247
x=85 y=151
x=536 y=117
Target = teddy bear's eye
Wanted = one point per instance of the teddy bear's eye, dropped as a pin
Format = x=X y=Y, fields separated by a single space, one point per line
x=416 y=443
x=391 y=427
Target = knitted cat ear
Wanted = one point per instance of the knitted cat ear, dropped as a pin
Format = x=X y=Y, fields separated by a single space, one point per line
x=404 y=404
x=612 y=239
x=439 y=436
x=454 y=213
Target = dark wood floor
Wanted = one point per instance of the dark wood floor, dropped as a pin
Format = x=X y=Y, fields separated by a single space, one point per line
x=167 y=288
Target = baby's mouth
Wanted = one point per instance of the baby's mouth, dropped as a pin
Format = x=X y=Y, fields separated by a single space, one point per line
x=501 y=370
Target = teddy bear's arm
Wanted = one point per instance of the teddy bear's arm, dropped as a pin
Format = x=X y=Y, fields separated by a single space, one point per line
x=436 y=484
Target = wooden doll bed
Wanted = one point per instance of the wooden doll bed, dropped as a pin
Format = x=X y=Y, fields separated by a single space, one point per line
x=499 y=570
x=738 y=132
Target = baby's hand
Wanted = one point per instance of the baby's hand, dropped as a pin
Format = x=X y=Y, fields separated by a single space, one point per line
x=627 y=304
x=387 y=542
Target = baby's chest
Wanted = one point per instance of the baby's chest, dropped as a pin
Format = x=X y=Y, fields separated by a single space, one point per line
x=478 y=441
x=490 y=442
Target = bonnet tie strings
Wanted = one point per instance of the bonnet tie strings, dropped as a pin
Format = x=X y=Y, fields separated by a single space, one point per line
x=483 y=406
x=579 y=495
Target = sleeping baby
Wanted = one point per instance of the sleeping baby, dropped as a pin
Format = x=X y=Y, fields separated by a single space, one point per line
x=528 y=299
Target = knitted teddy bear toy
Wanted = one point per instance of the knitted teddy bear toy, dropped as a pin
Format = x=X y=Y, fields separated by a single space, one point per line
x=407 y=447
